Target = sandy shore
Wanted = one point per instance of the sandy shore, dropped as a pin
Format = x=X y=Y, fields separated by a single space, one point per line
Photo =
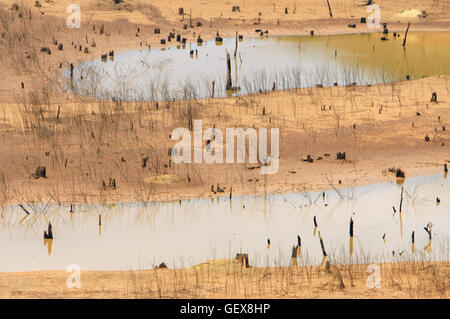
x=227 y=279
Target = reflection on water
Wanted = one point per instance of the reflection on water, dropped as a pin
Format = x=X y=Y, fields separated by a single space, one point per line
x=263 y=64
x=48 y=243
x=270 y=230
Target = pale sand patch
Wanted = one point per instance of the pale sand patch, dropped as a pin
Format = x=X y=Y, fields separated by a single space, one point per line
x=412 y=14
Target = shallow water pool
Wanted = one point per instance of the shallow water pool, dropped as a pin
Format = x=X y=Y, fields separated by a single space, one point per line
x=263 y=64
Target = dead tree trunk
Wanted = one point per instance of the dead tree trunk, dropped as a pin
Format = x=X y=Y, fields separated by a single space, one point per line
x=235 y=56
x=229 y=83
x=41 y=171
x=294 y=256
x=406 y=34
x=324 y=253
x=329 y=9
x=23 y=208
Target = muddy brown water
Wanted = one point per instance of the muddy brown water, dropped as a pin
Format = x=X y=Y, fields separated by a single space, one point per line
x=182 y=234
x=288 y=61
